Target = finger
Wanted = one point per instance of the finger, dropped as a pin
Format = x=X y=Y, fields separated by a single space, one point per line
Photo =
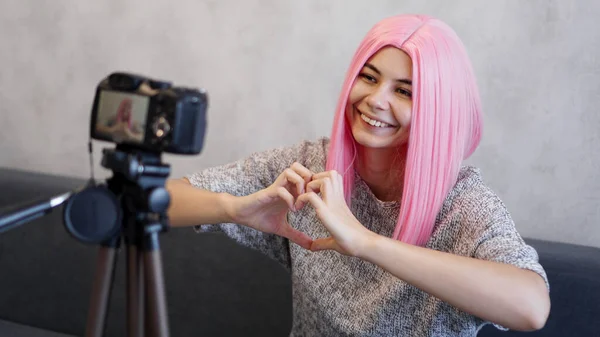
x=313 y=199
x=330 y=174
x=305 y=173
x=332 y=181
x=295 y=179
x=323 y=244
x=283 y=181
x=286 y=196
x=314 y=186
x=323 y=186
x=297 y=237
x=340 y=184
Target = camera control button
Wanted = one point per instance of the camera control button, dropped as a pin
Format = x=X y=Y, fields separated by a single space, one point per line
x=161 y=127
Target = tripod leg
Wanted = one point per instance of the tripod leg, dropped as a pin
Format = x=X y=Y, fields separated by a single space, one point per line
x=156 y=301
x=148 y=316
x=135 y=290
x=101 y=289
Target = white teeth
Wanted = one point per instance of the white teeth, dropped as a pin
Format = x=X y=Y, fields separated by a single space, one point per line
x=373 y=122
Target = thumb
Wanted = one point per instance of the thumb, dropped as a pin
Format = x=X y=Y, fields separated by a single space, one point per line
x=299 y=238
x=323 y=244
x=296 y=236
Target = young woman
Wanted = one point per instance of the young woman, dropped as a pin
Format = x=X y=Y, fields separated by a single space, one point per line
x=385 y=232
x=121 y=126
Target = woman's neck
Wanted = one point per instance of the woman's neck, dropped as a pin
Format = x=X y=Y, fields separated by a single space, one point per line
x=383 y=171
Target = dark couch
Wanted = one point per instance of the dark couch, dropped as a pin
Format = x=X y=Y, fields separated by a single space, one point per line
x=214 y=287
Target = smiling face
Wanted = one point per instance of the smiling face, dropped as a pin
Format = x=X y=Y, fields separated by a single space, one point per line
x=380 y=101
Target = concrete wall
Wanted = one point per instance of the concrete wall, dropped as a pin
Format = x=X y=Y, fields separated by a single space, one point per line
x=273 y=70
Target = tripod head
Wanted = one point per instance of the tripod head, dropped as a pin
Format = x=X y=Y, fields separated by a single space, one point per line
x=135 y=193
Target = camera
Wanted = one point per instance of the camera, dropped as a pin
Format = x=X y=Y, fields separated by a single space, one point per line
x=145 y=118
x=149 y=114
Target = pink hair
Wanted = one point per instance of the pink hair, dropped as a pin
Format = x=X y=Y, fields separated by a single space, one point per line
x=446 y=120
x=124 y=106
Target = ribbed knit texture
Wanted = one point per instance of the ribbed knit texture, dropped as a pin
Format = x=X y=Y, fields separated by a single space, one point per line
x=337 y=295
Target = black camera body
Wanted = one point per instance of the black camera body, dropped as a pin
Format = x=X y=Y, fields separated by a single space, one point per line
x=149 y=115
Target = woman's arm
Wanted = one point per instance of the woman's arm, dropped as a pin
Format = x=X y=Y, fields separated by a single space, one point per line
x=192 y=206
x=504 y=294
x=107 y=128
x=265 y=210
x=133 y=135
x=500 y=293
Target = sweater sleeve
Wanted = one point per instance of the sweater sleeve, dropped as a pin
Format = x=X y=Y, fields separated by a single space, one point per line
x=499 y=241
x=497 y=238
x=249 y=175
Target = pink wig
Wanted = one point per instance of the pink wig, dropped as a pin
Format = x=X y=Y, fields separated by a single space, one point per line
x=124 y=111
x=446 y=120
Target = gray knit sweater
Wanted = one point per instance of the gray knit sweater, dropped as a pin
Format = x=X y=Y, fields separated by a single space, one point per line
x=337 y=295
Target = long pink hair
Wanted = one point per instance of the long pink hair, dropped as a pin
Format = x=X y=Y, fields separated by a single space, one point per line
x=124 y=111
x=446 y=122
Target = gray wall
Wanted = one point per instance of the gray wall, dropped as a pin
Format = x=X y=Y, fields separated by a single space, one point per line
x=273 y=70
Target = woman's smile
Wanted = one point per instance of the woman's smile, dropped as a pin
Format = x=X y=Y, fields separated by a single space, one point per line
x=375 y=122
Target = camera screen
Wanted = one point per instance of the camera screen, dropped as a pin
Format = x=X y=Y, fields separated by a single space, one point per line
x=121 y=117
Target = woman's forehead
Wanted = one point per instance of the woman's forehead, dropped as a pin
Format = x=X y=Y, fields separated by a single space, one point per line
x=392 y=62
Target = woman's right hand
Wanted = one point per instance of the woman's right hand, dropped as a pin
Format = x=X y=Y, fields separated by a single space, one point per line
x=267 y=209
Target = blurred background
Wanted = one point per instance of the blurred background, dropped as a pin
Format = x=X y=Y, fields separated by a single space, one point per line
x=273 y=71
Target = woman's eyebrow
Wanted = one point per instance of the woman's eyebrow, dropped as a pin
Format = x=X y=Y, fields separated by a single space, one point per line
x=401 y=80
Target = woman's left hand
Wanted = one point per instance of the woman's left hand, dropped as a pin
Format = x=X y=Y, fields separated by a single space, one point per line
x=348 y=235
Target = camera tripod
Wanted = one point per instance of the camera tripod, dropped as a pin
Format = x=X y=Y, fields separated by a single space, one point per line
x=131 y=208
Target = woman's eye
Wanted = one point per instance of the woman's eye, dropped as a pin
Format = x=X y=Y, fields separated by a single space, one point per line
x=404 y=92
x=368 y=78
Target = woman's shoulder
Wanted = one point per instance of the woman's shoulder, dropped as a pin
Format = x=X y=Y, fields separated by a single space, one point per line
x=473 y=198
x=306 y=152
x=469 y=213
x=470 y=185
x=317 y=146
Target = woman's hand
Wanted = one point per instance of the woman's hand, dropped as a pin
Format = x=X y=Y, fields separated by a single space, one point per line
x=131 y=134
x=348 y=235
x=267 y=210
x=119 y=130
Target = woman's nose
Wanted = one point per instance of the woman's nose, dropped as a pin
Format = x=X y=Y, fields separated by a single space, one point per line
x=378 y=99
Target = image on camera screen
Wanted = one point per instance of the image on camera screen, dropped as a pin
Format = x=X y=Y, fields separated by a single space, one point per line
x=122 y=116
